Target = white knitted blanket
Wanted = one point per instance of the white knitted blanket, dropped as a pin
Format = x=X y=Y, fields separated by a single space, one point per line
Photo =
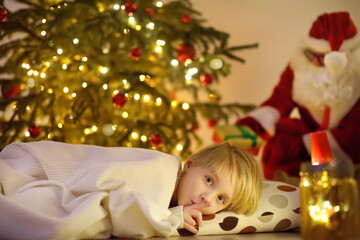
x=52 y=190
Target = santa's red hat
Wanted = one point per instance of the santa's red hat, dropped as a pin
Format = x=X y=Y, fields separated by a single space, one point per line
x=332 y=32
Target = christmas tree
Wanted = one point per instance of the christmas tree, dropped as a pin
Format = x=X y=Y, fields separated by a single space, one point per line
x=111 y=73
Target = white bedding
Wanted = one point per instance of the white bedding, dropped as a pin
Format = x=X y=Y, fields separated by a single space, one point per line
x=53 y=190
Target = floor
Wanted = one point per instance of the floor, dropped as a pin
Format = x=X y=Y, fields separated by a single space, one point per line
x=289 y=235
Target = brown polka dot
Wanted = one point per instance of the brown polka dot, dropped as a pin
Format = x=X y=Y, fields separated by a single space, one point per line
x=266 y=217
x=184 y=232
x=229 y=223
x=297 y=210
x=282 y=225
x=248 y=229
x=208 y=217
x=279 y=201
x=286 y=188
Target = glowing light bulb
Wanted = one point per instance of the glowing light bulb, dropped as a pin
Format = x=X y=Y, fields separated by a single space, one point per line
x=179 y=147
x=134 y=135
x=84 y=84
x=142 y=78
x=174 y=62
x=105 y=86
x=158 y=101
x=94 y=128
x=116 y=7
x=137 y=96
x=131 y=20
x=66 y=90
x=43 y=33
x=59 y=51
x=125 y=114
x=158 y=49
x=103 y=70
x=42 y=75
x=188 y=77
x=159 y=4
x=146 y=98
x=160 y=42
x=185 y=106
x=174 y=103
x=150 y=25
x=143 y=138
x=192 y=71
x=64 y=66
x=75 y=41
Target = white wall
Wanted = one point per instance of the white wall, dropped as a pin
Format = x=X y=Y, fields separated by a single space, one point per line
x=278 y=26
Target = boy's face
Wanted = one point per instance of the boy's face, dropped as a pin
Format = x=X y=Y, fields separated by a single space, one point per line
x=203 y=184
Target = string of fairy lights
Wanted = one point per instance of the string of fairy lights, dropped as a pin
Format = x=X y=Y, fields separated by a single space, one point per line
x=121 y=93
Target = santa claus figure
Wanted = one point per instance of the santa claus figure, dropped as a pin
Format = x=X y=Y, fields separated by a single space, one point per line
x=323 y=83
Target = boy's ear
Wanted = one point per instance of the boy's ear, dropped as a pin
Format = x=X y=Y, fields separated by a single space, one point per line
x=187 y=165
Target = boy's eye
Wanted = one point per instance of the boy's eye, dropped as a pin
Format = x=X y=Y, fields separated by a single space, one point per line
x=221 y=198
x=208 y=180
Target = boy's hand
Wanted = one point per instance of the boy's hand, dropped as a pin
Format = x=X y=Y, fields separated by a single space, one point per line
x=193 y=216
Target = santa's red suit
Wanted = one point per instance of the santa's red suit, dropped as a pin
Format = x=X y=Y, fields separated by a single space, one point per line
x=323 y=83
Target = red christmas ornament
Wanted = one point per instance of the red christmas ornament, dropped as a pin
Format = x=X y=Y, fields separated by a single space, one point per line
x=185 y=18
x=34 y=131
x=212 y=122
x=10 y=92
x=149 y=12
x=3 y=14
x=206 y=79
x=119 y=100
x=156 y=140
x=185 y=51
x=172 y=95
x=135 y=53
x=130 y=7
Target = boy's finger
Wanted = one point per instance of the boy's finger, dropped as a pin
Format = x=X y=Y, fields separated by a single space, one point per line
x=190 y=228
x=201 y=205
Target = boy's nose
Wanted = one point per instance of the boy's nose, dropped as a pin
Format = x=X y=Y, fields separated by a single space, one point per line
x=206 y=197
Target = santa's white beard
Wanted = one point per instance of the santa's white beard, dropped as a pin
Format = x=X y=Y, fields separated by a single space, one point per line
x=319 y=87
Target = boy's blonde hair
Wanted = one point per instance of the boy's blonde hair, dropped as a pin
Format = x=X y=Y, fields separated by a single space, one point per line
x=245 y=172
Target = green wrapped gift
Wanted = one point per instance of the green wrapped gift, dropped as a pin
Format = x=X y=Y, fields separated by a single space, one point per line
x=239 y=136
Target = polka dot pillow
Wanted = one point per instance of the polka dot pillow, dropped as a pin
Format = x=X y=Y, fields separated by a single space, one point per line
x=278 y=210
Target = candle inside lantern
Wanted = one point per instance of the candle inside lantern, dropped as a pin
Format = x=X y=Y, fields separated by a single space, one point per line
x=320 y=148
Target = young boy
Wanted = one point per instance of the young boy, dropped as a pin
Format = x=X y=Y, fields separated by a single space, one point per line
x=218 y=177
x=65 y=191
